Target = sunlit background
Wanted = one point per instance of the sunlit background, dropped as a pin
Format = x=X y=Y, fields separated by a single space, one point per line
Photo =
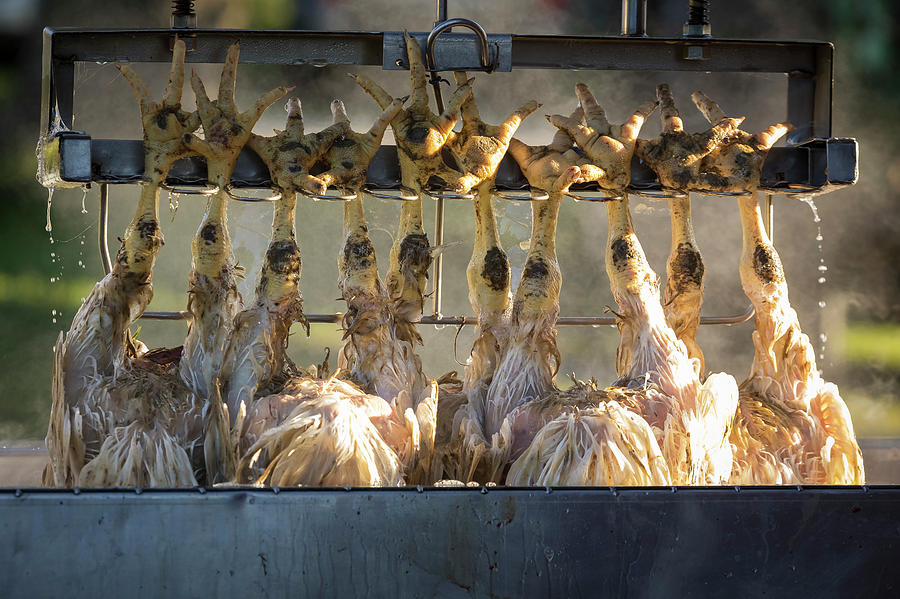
x=852 y=316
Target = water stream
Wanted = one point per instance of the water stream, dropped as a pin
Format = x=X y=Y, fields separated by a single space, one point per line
x=822 y=269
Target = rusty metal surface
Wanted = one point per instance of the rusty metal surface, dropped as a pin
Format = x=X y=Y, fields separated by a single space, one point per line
x=683 y=542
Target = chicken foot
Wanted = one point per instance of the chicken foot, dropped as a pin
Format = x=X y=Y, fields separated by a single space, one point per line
x=607 y=147
x=722 y=159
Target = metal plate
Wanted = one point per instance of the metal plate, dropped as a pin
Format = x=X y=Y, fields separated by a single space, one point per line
x=452 y=543
x=452 y=51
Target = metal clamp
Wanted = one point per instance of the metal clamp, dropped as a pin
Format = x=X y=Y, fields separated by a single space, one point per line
x=205 y=189
x=477 y=29
x=665 y=193
x=404 y=194
x=443 y=194
x=342 y=196
x=535 y=194
x=607 y=195
x=243 y=198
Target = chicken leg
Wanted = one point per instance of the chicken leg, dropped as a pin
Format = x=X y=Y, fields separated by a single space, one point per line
x=792 y=426
x=213 y=297
x=117 y=419
x=683 y=294
x=420 y=136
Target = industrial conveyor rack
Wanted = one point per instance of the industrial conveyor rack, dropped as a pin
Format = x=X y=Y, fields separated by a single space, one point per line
x=232 y=541
x=812 y=162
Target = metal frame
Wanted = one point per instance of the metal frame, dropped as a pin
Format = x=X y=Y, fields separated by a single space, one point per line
x=812 y=163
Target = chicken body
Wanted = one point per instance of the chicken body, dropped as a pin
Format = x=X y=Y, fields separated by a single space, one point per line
x=792 y=426
x=119 y=417
x=332 y=432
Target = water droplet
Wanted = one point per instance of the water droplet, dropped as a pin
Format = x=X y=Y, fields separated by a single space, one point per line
x=819 y=236
x=823 y=337
x=52 y=279
x=822 y=280
x=81 y=263
x=49 y=226
x=822 y=303
x=54 y=320
x=822 y=268
x=53 y=312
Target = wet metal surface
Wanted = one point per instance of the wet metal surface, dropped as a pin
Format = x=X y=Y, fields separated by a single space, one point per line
x=669 y=542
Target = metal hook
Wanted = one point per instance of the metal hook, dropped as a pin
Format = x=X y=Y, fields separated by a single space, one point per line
x=726 y=194
x=442 y=194
x=207 y=189
x=795 y=189
x=664 y=193
x=486 y=63
x=535 y=194
x=405 y=193
x=241 y=198
x=607 y=195
x=342 y=196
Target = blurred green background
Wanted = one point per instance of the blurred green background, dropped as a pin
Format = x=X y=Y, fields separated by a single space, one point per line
x=43 y=281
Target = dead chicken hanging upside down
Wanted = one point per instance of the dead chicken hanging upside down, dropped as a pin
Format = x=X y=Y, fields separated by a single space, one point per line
x=420 y=137
x=604 y=438
x=121 y=417
x=792 y=427
x=522 y=395
x=331 y=432
x=478 y=149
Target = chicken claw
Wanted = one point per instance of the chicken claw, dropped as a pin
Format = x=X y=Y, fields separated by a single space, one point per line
x=290 y=154
x=225 y=129
x=480 y=147
x=723 y=158
x=420 y=134
x=349 y=156
x=164 y=122
x=736 y=164
x=609 y=147
x=550 y=167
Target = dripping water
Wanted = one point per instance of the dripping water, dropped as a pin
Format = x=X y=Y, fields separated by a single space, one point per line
x=822 y=269
x=84 y=190
x=49 y=226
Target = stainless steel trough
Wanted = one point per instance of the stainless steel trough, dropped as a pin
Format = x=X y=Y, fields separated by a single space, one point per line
x=452 y=542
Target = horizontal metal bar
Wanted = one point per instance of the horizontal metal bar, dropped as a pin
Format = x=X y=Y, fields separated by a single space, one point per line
x=820 y=164
x=471 y=320
x=366 y=48
x=454 y=542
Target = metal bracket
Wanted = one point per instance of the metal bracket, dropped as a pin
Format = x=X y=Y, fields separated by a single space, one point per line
x=452 y=52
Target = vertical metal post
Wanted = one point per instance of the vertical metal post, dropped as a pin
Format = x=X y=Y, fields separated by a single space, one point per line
x=634 y=18
x=437 y=274
x=440 y=12
x=102 y=227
